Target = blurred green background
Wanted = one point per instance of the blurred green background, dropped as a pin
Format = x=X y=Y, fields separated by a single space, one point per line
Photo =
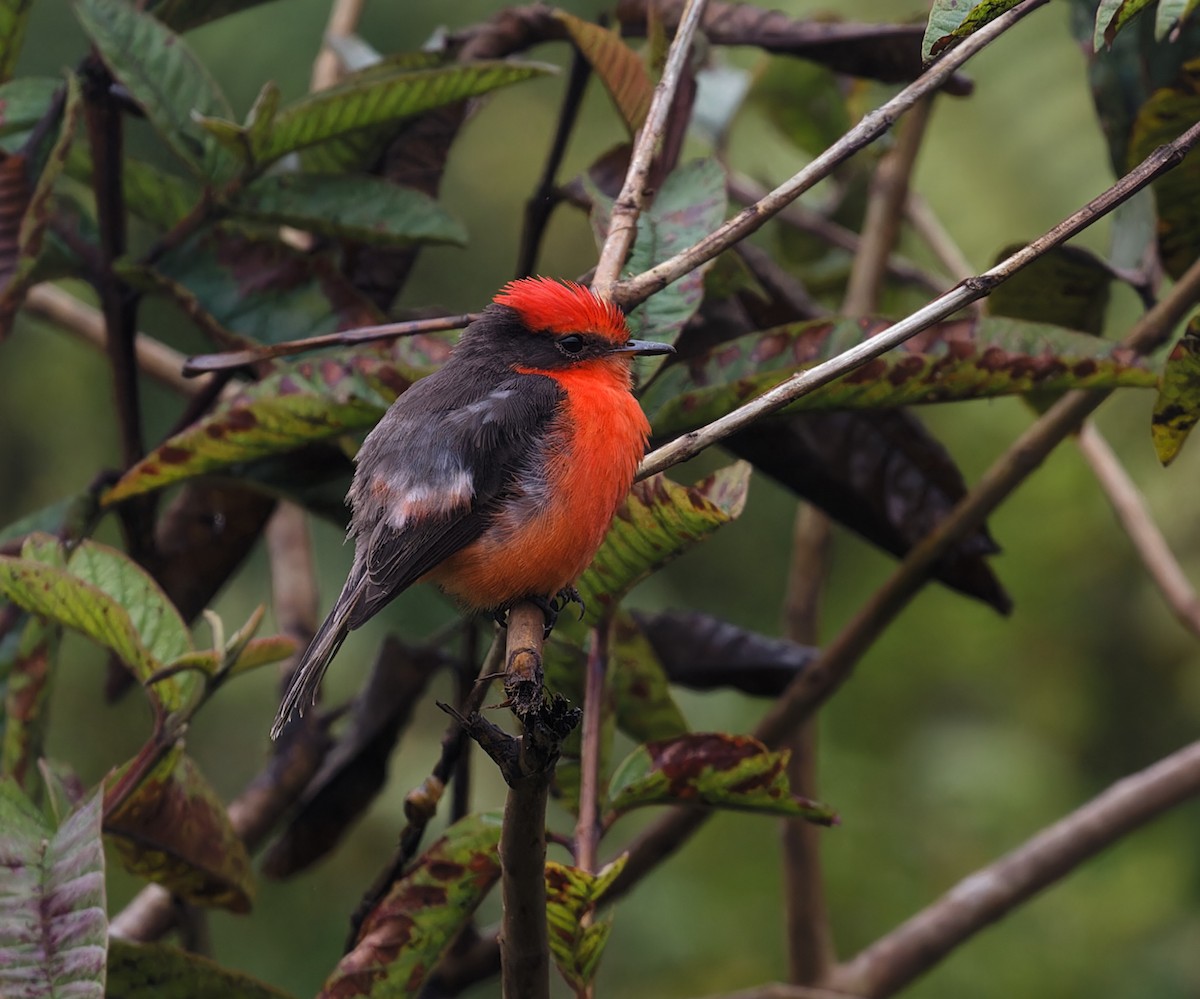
x=962 y=733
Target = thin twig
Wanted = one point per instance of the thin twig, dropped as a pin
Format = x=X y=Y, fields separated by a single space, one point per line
x=690 y=444
x=632 y=198
x=637 y=289
x=587 y=827
x=987 y=895
x=1148 y=541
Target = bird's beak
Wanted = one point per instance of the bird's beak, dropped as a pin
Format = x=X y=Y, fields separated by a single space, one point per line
x=643 y=347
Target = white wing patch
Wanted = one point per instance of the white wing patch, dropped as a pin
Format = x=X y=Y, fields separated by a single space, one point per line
x=403 y=499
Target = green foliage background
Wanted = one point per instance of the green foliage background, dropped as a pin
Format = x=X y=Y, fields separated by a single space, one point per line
x=962 y=732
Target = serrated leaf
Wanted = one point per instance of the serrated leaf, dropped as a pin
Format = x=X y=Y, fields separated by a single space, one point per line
x=1170 y=13
x=957 y=359
x=620 y=69
x=1177 y=408
x=173 y=829
x=165 y=78
x=24 y=206
x=1164 y=117
x=404 y=936
x=642 y=703
x=160 y=971
x=362 y=102
x=108 y=597
x=712 y=769
x=1112 y=16
x=359 y=208
x=53 y=922
x=24 y=102
x=242 y=291
x=572 y=893
x=658 y=522
x=950 y=21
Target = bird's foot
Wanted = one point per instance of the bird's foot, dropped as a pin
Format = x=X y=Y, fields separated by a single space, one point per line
x=556 y=605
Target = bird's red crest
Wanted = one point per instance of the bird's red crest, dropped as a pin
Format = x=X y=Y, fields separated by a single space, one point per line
x=563 y=307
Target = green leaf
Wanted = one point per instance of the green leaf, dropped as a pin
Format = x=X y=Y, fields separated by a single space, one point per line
x=28 y=652
x=950 y=21
x=713 y=769
x=361 y=102
x=69 y=518
x=183 y=15
x=14 y=18
x=404 y=936
x=1177 y=407
x=53 y=922
x=658 y=522
x=108 y=597
x=24 y=209
x=165 y=78
x=359 y=208
x=1165 y=116
x=690 y=204
x=1112 y=16
x=620 y=69
x=1067 y=286
x=173 y=829
x=25 y=101
x=954 y=360
x=571 y=894
x=641 y=692
x=160 y=971
x=158 y=197
x=1171 y=13
x=242 y=291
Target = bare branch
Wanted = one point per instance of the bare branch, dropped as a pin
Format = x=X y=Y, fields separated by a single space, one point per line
x=632 y=198
x=987 y=895
x=690 y=444
x=636 y=289
x=327 y=67
x=587 y=828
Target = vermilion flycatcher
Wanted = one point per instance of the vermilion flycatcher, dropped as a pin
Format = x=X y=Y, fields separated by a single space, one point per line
x=496 y=477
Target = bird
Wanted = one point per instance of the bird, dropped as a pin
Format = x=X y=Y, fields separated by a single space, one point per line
x=495 y=477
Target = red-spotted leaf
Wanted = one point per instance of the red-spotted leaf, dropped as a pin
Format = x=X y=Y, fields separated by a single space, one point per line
x=642 y=703
x=161 y=971
x=711 y=769
x=1167 y=114
x=1177 y=407
x=572 y=894
x=173 y=829
x=690 y=204
x=658 y=522
x=950 y=21
x=362 y=209
x=620 y=69
x=26 y=183
x=105 y=595
x=305 y=401
x=165 y=78
x=404 y=936
x=955 y=360
x=53 y=922
x=1112 y=16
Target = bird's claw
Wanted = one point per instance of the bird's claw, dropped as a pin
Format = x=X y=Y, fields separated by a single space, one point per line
x=550 y=607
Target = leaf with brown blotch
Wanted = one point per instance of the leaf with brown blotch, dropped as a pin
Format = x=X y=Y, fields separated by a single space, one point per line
x=620 y=69
x=951 y=361
x=950 y=21
x=1177 y=408
x=880 y=473
x=715 y=770
x=702 y=652
x=405 y=934
x=53 y=922
x=576 y=942
x=1164 y=117
x=173 y=829
x=355 y=769
x=163 y=971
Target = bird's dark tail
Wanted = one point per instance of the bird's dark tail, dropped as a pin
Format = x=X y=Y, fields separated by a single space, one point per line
x=302 y=692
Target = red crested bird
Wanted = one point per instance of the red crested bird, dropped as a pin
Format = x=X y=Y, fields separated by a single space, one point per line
x=495 y=477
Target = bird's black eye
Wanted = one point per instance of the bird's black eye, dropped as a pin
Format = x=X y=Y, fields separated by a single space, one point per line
x=572 y=343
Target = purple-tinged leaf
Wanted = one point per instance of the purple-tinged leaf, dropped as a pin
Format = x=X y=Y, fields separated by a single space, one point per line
x=404 y=936
x=716 y=770
x=53 y=922
x=1177 y=407
x=173 y=829
x=576 y=943
x=161 y=971
x=955 y=360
